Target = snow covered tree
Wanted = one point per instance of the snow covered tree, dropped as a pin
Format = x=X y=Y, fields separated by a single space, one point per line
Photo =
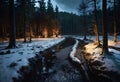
x=104 y=27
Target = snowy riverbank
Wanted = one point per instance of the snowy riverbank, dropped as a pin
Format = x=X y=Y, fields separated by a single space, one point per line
x=11 y=60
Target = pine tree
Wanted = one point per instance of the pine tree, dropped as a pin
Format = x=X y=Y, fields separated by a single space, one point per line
x=96 y=24
x=31 y=13
x=115 y=26
x=12 y=37
x=50 y=10
x=21 y=6
x=42 y=17
x=4 y=17
x=25 y=17
x=50 y=18
x=56 y=28
x=83 y=10
x=56 y=12
x=104 y=27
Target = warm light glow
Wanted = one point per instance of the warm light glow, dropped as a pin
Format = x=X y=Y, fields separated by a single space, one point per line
x=45 y=33
x=55 y=32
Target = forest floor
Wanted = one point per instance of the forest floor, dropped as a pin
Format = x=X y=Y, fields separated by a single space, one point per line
x=104 y=68
x=11 y=60
x=58 y=69
x=54 y=64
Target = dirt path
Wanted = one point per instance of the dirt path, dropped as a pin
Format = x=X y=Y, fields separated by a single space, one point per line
x=64 y=71
x=63 y=53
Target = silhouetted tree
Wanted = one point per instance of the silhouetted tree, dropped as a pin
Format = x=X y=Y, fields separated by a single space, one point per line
x=83 y=10
x=96 y=24
x=104 y=27
x=31 y=17
x=50 y=18
x=4 y=17
x=118 y=17
x=56 y=12
x=25 y=16
x=56 y=21
x=50 y=10
x=115 y=26
x=12 y=37
x=42 y=17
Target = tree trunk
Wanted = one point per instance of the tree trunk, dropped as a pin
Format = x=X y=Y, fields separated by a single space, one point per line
x=1 y=30
x=104 y=27
x=12 y=36
x=30 y=33
x=84 y=24
x=24 y=20
x=96 y=24
x=115 y=30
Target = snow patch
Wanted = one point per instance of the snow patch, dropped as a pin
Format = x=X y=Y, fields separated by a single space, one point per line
x=20 y=56
x=107 y=61
x=75 y=59
x=114 y=51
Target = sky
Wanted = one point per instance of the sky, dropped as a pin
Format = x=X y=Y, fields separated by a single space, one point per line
x=66 y=5
x=71 y=6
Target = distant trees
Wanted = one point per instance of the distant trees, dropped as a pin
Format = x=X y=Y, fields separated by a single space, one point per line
x=41 y=22
x=115 y=21
x=48 y=19
x=57 y=26
x=12 y=29
x=35 y=21
x=4 y=18
x=83 y=10
x=70 y=23
x=25 y=12
x=96 y=23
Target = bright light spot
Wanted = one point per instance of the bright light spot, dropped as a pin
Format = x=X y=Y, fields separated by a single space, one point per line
x=45 y=33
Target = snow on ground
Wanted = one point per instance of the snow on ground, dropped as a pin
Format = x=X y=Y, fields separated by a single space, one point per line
x=110 y=42
x=75 y=59
x=109 y=62
x=10 y=63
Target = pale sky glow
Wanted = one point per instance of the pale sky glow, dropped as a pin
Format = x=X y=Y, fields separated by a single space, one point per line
x=62 y=6
x=71 y=6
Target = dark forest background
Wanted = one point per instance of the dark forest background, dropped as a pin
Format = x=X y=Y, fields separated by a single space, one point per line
x=32 y=21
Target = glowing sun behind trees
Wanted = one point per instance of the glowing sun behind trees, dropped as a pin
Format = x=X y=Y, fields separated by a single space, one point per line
x=45 y=33
x=55 y=32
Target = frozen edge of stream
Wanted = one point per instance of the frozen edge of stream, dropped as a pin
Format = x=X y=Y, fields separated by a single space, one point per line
x=76 y=60
x=72 y=53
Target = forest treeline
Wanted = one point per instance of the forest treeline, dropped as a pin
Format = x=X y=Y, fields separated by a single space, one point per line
x=22 y=19
x=30 y=21
x=38 y=20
